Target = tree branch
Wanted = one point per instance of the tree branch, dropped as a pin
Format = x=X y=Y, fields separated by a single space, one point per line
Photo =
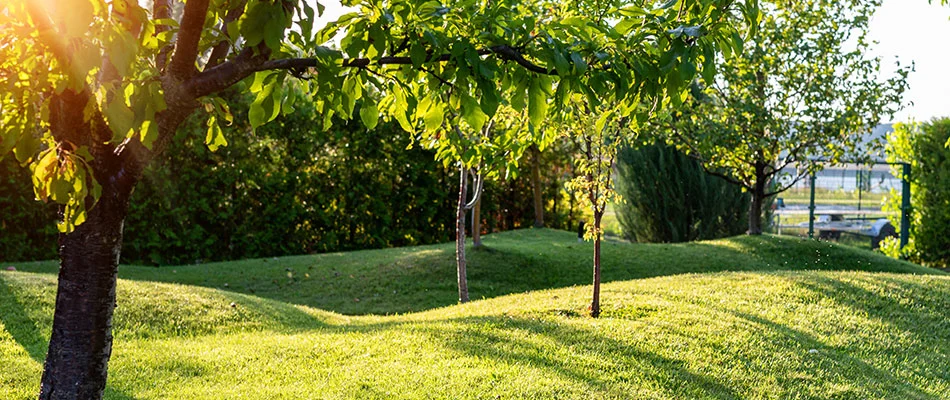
x=186 y=48
x=226 y=74
x=161 y=10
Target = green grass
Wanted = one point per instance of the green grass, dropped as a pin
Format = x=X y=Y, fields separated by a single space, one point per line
x=868 y=200
x=676 y=324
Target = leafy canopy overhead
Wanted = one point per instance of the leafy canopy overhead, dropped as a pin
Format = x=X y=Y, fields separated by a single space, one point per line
x=416 y=62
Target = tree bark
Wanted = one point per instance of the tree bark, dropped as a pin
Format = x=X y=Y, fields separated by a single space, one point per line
x=477 y=223
x=595 y=300
x=460 y=237
x=536 y=185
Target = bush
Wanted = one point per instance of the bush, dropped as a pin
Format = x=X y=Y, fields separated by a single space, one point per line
x=925 y=147
x=27 y=227
x=668 y=197
x=288 y=187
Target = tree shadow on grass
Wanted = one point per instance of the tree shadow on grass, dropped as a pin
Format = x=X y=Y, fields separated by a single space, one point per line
x=26 y=332
x=840 y=365
x=604 y=367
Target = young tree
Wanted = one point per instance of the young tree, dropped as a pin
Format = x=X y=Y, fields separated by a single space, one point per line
x=597 y=136
x=91 y=90
x=801 y=88
x=490 y=153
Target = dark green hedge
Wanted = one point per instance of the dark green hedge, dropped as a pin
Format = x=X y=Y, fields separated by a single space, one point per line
x=670 y=198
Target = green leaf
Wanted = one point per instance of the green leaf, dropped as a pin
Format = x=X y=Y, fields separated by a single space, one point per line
x=149 y=132
x=265 y=107
x=472 y=113
x=709 y=65
x=215 y=137
x=368 y=113
x=26 y=147
x=624 y=26
x=120 y=117
x=434 y=116
x=580 y=66
x=537 y=102
x=668 y=4
x=254 y=23
x=418 y=55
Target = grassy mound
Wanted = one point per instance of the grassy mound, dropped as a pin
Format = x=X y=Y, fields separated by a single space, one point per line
x=765 y=330
x=412 y=279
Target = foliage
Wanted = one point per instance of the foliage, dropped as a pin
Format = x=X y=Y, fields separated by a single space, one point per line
x=507 y=204
x=924 y=146
x=287 y=188
x=668 y=197
x=437 y=57
x=802 y=88
x=597 y=136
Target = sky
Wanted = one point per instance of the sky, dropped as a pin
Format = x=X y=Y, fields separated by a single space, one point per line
x=910 y=30
x=914 y=30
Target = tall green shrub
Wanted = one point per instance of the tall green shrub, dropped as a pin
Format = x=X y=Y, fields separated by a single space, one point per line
x=927 y=148
x=668 y=197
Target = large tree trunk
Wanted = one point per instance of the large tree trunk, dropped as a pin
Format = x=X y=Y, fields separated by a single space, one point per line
x=81 y=341
x=536 y=185
x=595 y=301
x=460 y=237
x=477 y=223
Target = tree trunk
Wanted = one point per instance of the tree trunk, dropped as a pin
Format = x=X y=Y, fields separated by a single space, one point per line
x=477 y=223
x=536 y=185
x=81 y=342
x=460 y=237
x=758 y=196
x=595 y=301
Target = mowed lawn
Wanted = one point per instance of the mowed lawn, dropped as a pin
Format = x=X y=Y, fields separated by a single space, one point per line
x=758 y=318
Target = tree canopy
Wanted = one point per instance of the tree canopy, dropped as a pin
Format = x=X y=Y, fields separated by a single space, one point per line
x=802 y=88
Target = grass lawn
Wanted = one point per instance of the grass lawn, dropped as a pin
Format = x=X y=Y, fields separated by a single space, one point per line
x=768 y=317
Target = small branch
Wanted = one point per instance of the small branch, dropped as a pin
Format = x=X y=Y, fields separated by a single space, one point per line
x=161 y=10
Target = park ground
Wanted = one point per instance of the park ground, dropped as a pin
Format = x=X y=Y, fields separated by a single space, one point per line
x=745 y=317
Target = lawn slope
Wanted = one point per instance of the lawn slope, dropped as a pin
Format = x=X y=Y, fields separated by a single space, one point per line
x=420 y=278
x=756 y=335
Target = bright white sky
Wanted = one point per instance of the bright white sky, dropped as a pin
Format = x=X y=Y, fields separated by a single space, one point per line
x=912 y=30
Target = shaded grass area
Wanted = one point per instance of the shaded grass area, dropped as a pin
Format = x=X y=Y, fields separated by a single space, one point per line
x=758 y=335
x=420 y=278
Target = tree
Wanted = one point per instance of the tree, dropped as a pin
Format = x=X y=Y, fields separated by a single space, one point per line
x=91 y=91
x=801 y=88
x=597 y=136
x=486 y=154
x=926 y=147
